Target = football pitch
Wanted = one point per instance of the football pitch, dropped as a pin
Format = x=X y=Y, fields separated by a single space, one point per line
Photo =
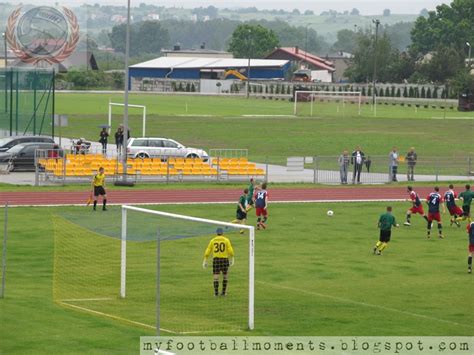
x=268 y=129
x=315 y=275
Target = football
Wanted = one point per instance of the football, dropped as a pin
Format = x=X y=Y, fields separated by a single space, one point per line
x=330 y=213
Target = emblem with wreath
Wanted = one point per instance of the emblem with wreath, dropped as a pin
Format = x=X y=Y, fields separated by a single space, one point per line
x=60 y=54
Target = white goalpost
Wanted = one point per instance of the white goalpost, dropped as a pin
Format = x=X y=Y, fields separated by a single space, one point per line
x=181 y=220
x=142 y=107
x=342 y=97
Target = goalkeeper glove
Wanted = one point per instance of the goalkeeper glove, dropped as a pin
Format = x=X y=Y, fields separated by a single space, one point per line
x=204 y=263
x=231 y=262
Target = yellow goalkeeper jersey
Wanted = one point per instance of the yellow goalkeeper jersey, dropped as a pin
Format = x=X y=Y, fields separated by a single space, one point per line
x=99 y=180
x=220 y=247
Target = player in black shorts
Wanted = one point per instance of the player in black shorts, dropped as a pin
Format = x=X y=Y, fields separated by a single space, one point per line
x=241 y=214
x=386 y=221
x=98 y=183
x=222 y=257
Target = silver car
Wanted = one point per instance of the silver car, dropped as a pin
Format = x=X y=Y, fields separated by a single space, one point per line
x=163 y=148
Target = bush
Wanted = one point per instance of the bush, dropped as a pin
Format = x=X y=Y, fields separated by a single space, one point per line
x=405 y=92
x=428 y=93
x=387 y=91
x=399 y=94
x=411 y=92
x=423 y=92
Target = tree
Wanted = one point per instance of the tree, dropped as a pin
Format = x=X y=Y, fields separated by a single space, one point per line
x=386 y=12
x=388 y=60
x=445 y=63
x=346 y=41
x=355 y=12
x=147 y=37
x=449 y=24
x=252 y=41
x=424 y=12
x=309 y=13
x=296 y=12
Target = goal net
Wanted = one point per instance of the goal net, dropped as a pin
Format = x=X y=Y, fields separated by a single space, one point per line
x=144 y=267
x=327 y=103
x=131 y=107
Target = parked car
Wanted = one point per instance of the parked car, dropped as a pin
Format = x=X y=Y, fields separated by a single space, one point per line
x=162 y=147
x=9 y=142
x=466 y=101
x=22 y=156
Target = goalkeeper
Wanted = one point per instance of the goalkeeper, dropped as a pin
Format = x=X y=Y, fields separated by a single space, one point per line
x=222 y=251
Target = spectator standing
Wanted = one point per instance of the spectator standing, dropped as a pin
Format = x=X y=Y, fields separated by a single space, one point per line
x=119 y=139
x=344 y=161
x=104 y=135
x=357 y=159
x=393 y=161
x=411 y=159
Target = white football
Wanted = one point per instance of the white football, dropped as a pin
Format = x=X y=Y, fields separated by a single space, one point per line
x=330 y=213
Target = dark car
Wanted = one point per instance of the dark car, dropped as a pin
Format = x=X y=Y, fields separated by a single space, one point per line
x=466 y=101
x=9 y=142
x=22 y=156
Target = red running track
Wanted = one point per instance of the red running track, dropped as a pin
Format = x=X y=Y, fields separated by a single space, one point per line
x=210 y=195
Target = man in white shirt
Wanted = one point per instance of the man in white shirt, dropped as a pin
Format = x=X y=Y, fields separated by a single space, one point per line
x=357 y=159
x=393 y=160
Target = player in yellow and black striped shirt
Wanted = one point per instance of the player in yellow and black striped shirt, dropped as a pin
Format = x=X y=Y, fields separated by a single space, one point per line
x=98 y=184
x=221 y=250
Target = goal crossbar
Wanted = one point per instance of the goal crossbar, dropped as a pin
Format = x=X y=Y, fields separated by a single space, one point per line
x=111 y=104
x=251 y=230
x=332 y=94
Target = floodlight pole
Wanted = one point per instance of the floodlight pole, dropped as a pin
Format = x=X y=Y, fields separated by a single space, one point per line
x=4 y=35
x=125 y=111
x=374 y=79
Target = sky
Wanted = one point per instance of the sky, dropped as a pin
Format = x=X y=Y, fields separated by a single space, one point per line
x=366 y=7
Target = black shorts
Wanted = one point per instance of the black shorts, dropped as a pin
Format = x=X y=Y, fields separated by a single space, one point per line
x=385 y=236
x=220 y=265
x=466 y=210
x=99 y=190
x=241 y=215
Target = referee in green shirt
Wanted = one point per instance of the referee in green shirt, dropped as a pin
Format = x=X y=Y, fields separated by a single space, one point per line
x=386 y=222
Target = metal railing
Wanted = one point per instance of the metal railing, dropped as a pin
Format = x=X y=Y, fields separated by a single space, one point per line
x=53 y=167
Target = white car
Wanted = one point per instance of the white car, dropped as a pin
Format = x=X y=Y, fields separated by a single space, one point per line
x=162 y=147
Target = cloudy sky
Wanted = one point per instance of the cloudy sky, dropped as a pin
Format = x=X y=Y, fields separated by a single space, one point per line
x=367 y=7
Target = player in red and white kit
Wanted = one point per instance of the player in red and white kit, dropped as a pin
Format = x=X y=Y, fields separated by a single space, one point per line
x=455 y=211
x=434 y=200
x=261 y=204
x=416 y=208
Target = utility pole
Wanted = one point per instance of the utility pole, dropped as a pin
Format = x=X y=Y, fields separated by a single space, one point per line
x=125 y=111
x=374 y=79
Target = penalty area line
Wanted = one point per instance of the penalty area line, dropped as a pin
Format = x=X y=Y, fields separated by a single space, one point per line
x=364 y=304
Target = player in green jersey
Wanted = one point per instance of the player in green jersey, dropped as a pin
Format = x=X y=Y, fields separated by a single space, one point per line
x=466 y=197
x=386 y=221
x=241 y=214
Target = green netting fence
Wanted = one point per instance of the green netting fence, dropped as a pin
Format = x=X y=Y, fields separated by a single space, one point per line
x=26 y=101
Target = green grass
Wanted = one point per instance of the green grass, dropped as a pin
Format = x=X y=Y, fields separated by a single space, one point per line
x=314 y=276
x=275 y=137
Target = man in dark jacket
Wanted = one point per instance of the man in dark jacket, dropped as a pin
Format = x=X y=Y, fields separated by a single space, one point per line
x=411 y=159
x=357 y=159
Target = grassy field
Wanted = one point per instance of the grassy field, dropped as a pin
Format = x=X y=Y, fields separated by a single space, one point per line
x=314 y=276
x=221 y=122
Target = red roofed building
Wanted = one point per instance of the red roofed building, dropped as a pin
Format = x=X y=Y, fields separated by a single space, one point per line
x=302 y=60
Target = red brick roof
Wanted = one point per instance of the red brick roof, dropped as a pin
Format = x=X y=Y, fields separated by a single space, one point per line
x=299 y=54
